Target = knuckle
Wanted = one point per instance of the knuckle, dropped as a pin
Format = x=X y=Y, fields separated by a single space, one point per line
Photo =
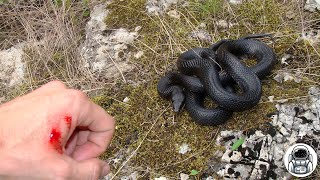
x=72 y=96
x=77 y=94
x=102 y=148
x=96 y=170
x=63 y=171
x=57 y=83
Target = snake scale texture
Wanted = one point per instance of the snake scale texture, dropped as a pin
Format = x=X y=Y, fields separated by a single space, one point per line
x=215 y=72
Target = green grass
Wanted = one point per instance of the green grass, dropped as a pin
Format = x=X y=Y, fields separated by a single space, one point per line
x=207 y=7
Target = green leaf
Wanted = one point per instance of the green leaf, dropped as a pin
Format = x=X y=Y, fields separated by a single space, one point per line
x=237 y=144
x=194 y=172
x=86 y=13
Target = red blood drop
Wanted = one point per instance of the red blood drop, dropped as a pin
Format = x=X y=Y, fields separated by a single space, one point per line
x=68 y=120
x=55 y=140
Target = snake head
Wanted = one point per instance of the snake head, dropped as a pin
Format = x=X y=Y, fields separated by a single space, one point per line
x=178 y=98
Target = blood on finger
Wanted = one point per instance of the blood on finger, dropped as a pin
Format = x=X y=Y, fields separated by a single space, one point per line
x=68 y=120
x=57 y=135
x=55 y=140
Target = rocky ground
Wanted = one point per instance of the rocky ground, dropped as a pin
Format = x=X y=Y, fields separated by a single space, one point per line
x=117 y=50
x=261 y=155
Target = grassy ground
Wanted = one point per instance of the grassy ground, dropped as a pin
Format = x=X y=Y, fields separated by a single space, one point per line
x=148 y=132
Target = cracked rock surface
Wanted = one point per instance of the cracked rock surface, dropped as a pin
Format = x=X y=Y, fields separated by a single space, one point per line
x=11 y=66
x=312 y=5
x=159 y=7
x=106 y=51
x=260 y=156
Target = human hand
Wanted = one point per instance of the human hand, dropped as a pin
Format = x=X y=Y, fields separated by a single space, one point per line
x=53 y=133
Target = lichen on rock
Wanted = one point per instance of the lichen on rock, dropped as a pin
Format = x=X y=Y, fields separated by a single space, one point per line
x=106 y=51
x=312 y=5
x=156 y=7
x=11 y=66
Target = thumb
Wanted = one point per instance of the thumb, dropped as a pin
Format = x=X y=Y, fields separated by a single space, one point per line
x=91 y=169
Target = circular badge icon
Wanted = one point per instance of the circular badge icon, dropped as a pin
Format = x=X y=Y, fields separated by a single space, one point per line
x=300 y=160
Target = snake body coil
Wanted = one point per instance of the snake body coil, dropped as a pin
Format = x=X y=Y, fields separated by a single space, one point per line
x=214 y=72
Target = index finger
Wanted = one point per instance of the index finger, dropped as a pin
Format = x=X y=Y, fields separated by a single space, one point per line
x=99 y=124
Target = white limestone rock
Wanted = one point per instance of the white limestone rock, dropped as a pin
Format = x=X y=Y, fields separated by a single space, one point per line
x=12 y=68
x=105 y=52
x=312 y=5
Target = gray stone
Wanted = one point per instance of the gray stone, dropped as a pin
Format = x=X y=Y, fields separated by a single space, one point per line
x=105 y=52
x=159 y=7
x=12 y=68
x=312 y=5
x=201 y=35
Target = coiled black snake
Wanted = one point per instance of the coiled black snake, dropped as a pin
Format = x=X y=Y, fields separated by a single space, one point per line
x=214 y=72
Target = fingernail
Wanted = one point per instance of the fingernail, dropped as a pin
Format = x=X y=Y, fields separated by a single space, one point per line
x=105 y=170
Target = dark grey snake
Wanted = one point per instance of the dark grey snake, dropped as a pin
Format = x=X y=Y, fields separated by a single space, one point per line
x=214 y=72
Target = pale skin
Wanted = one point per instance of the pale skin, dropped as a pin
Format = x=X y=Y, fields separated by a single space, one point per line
x=25 y=129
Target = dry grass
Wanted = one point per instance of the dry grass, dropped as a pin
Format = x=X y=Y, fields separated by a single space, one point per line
x=148 y=132
x=53 y=33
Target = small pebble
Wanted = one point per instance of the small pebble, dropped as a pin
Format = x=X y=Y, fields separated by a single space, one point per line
x=139 y=54
x=271 y=98
x=174 y=14
x=184 y=148
x=138 y=28
x=126 y=100
x=184 y=176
